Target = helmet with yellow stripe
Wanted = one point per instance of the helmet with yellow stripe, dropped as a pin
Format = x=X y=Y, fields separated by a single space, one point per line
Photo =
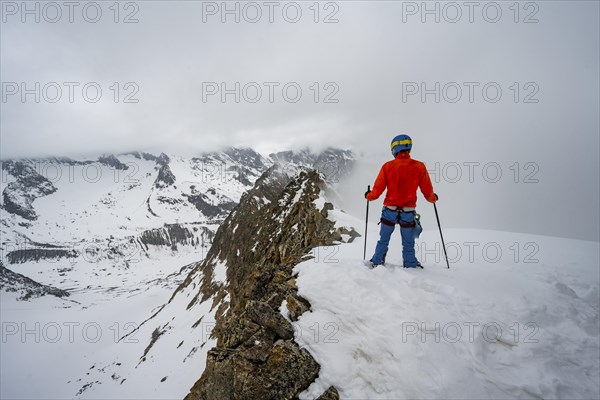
x=401 y=143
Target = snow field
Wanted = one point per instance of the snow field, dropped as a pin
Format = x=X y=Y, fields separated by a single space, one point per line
x=482 y=329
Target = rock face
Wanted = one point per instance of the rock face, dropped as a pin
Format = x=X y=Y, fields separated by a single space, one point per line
x=273 y=228
x=165 y=177
x=173 y=234
x=18 y=196
x=39 y=253
x=112 y=161
x=203 y=204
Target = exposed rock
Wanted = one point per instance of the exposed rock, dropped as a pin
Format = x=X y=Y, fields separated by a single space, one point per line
x=148 y=156
x=330 y=394
x=229 y=375
x=18 y=196
x=350 y=232
x=296 y=306
x=156 y=333
x=36 y=254
x=163 y=159
x=203 y=203
x=113 y=162
x=165 y=177
x=136 y=154
x=264 y=315
x=26 y=288
x=274 y=227
x=258 y=347
x=326 y=207
x=172 y=235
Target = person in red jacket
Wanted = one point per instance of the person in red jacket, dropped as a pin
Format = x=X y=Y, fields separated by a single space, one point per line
x=401 y=176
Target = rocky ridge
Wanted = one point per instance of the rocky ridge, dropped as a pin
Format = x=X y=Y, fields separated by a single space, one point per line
x=274 y=227
x=25 y=287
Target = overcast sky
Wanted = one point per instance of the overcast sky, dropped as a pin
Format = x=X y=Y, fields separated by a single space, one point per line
x=542 y=132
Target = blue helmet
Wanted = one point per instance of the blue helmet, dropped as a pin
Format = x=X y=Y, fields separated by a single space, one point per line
x=401 y=143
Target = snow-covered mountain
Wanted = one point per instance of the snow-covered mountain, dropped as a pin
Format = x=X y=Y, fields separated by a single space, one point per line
x=115 y=212
x=283 y=306
x=118 y=234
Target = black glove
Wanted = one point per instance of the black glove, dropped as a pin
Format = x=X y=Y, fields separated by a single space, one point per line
x=367 y=192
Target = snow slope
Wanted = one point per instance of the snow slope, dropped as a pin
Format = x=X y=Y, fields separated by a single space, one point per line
x=498 y=324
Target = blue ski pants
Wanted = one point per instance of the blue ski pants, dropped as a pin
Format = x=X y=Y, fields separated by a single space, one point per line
x=388 y=220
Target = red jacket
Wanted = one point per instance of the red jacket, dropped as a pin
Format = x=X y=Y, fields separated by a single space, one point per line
x=402 y=176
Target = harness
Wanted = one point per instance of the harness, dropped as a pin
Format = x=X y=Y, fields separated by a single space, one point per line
x=399 y=221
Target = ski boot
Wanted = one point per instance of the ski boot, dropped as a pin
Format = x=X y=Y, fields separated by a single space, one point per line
x=416 y=266
x=373 y=265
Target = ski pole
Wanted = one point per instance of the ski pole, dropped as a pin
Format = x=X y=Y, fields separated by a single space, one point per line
x=366 y=224
x=442 y=236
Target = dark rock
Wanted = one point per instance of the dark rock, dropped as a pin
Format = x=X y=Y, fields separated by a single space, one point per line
x=18 y=196
x=205 y=206
x=113 y=162
x=273 y=228
x=136 y=154
x=27 y=288
x=287 y=371
x=296 y=306
x=163 y=159
x=36 y=254
x=330 y=394
x=258 y=347
x=262 y=314
x=350 y=232
x=172 y=235
x=156 y=333
x=165 y=177
x=236 y=332
x=148 y=156
x=326 y=207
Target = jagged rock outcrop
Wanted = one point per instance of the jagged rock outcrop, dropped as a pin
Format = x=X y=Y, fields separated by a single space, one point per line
x=273 y=228
x=163 y=159
x=27 y=288
x=165 y=177
x=18 y=196
x=113 y=162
